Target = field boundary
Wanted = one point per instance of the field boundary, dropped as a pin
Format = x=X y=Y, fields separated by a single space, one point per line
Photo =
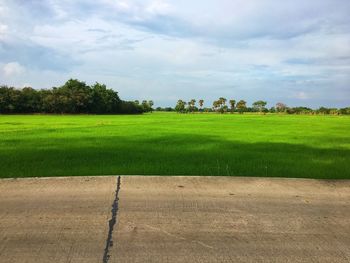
x=194 y=176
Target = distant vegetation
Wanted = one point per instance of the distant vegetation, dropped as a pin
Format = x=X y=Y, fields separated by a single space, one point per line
x=74 y=97
x=223 y=106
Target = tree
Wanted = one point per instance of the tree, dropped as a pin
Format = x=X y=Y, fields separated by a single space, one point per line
x=180 y=106
x=103 y=100
x=281 y=107
x=72 y=97
x=4 y=99
x=216 y=105
x=232 y=105
x=323 y=110
x=241 y=106
x=9 y=99
x=334 y=111
x=201 y=103
x=146 y=106
x=129 y=107
x=345 y=111
x=75 y=96
x=222 y=105
x=191 y=105
x=53 y=101
x=222 y=101
x=151 y=103
x=259 y=105
x=28 y=101
x=272 y=110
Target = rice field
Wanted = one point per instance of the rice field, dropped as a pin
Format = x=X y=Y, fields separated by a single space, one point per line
x=175 y=144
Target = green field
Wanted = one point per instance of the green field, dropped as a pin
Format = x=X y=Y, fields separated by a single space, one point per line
x=175 y=144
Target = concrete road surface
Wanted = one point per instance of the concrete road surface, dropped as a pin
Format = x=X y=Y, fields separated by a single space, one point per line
x=174 y=219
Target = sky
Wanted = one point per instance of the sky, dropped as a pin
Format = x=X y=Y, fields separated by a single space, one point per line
x=291 y=51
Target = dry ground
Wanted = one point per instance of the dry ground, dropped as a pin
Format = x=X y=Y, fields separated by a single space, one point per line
x=174 y=219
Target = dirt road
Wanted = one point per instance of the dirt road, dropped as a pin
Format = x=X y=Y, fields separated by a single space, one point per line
x=174 y=219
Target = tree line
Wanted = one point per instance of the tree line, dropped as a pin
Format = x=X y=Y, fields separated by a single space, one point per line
x=222 y=105
x=74 y=97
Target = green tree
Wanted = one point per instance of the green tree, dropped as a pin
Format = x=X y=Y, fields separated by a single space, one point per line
x=180 y=106
x=241 y=106
x=232 y=105
x=259 y=105
x=201 y=103
x=222 y=101
x=345 y=111
x=129 y=107
x=222 y=108
x=103 y=100
x=29 y=101
x=146 y=106
x=10 y=99
x=281 y=107
x=216 y=105
x=323 y=110
x=151 y=103
x=73 y=97
x=191 y=105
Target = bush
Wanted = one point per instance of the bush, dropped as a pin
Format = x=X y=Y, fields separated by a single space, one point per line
x=129 y=107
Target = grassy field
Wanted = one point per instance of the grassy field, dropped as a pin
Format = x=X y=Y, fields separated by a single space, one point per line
x=175 y=144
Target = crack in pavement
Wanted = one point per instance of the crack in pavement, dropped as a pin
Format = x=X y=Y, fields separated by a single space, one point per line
x=112 y=221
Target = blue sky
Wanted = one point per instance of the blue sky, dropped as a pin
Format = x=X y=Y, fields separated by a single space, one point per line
x=291 y=51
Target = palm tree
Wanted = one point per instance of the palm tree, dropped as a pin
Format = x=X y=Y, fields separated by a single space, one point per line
x=191 y=105
x=216 y=105
x=201 y=103
x=222 y=101
x=151 y=103
x=180 y=106
x=241 y=106
x=232 y=104
x=222 y=105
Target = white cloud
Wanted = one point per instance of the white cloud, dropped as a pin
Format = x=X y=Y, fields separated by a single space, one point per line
x=12 y=69
x=3 y=31
x=58 y=10
x=158 y=7
x=2 y=8
x=123 y=5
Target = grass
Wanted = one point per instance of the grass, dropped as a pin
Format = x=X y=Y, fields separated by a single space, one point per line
x=175 y=144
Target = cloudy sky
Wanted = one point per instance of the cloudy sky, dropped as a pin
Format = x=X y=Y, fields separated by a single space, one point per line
x=293 y=51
